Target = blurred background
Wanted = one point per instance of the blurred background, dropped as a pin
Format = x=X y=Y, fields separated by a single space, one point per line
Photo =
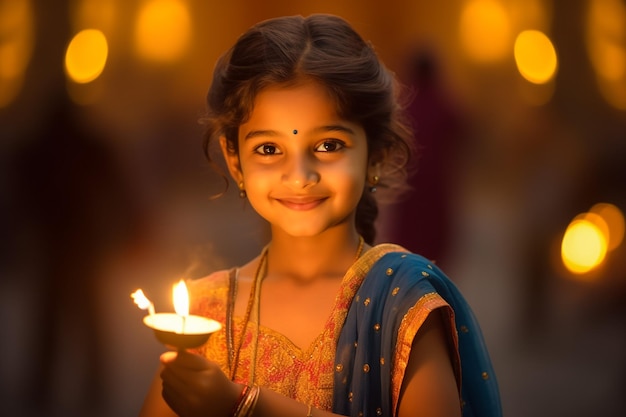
x=520 y=114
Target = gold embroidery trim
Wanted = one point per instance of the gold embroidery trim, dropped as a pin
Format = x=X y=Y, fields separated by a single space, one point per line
x=352 y=280
x=411 y=323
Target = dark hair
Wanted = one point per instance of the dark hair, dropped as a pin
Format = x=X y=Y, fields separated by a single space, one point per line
x=326 y=49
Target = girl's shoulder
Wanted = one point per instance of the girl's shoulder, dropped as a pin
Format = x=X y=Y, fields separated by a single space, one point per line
x=218 y=282
x=391 y=252
x=394 y=260
x=208 y=296
x=213 y=281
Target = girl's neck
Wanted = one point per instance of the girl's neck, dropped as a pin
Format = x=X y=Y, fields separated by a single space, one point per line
x=328 y=255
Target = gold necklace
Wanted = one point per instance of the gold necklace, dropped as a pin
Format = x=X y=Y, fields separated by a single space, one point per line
x=255 y=300
x=254 y=290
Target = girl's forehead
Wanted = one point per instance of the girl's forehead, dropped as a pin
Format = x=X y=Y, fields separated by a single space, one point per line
x=310 y=99
x=303 y=108
x=302 y=90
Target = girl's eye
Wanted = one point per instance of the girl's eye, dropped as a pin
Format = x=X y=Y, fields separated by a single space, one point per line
x=267 y=149
x=330 y=146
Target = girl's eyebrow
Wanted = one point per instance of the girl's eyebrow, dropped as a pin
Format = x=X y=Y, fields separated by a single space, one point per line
x=334 y=128
x=322 y=129
x=256 y=133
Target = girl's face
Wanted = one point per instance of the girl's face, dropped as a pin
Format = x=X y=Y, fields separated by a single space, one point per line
x=303 y=168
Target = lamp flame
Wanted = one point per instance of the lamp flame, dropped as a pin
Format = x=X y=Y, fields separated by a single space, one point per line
x=181 y=299
x=142 y=301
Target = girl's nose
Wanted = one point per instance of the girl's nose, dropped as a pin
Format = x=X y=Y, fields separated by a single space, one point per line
x=300 y=173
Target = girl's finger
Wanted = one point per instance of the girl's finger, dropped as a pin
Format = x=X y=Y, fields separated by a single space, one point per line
x=168 y=357
x=175 y=378
x=186 y=360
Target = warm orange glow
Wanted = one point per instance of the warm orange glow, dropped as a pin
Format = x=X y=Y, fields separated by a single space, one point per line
x=17 y=36
x=611 y=61
x=535 y=56
x=537 y=94
x=86 y=56
x=102 y=14
x=181 y=299
x=527 y=14
x=85 y=94
x=485 y=30
x=606 y=46
x=613 y=217
x=163 y=30
x=614 y=93
x=584 y=246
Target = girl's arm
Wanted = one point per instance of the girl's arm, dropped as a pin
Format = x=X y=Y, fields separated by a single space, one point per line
x=429 y=387
x=154 y=405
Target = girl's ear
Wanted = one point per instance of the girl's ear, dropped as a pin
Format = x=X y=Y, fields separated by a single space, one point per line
x=374 y=163
x=232 y=161
x=373 y=171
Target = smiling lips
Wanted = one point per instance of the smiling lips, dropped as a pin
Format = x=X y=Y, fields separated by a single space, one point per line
x=301 y=203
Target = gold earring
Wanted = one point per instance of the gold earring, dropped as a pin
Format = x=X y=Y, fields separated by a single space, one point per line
x=242 y=190
x=375 y=180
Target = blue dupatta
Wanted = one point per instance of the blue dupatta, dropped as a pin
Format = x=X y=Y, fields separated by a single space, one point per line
x=395 y=297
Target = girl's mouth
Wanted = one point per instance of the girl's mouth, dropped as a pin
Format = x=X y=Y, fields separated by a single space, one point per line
x=301 y=204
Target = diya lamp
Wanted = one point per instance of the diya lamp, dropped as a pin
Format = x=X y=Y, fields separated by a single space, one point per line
x=179 y=329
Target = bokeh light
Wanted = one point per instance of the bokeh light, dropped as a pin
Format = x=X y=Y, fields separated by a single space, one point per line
x=86 y=56
x=613 y=217
x=16 y=45
x=485 y=30
x=535 y=56
x=597 y=221
x=584 y=246
x=163 y=30
x=606 y=46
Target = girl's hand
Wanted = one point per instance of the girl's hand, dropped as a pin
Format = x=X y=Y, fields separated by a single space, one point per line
x=196 y=387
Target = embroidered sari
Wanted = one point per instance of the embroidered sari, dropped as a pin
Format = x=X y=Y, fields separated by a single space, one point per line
x=391 y=303
x=356 y=365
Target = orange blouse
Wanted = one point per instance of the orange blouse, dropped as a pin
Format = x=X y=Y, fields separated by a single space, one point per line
x=304 y=375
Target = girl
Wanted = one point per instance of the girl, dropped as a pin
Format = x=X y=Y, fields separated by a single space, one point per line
x=321 y=323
